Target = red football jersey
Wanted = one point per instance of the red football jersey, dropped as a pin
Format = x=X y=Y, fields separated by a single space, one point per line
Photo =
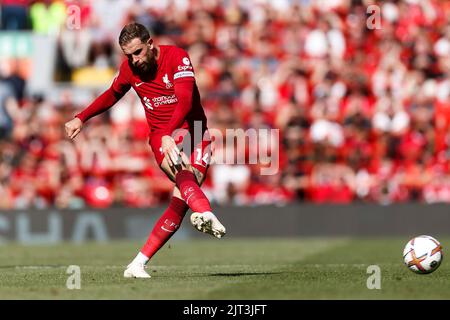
x=157 y=94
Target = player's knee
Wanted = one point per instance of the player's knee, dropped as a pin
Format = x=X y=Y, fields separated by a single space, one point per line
x=198 y=175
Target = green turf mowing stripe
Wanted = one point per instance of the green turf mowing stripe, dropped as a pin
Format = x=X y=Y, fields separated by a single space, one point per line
x=320 y=268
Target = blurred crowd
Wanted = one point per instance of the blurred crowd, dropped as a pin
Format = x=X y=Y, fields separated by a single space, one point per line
x=362 y=101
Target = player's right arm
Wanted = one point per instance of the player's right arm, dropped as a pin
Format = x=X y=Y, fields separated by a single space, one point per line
x=106 y=100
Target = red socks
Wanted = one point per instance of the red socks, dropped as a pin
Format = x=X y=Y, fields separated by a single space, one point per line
x=171 y=219
x=166 y=226
x=191 y=192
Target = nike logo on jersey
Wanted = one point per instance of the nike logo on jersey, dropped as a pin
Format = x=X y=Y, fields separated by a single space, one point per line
x=138 y=84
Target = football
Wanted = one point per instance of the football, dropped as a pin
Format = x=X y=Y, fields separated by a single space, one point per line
x=423 y=254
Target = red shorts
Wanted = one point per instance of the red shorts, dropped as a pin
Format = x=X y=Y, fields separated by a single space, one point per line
x=197 y=150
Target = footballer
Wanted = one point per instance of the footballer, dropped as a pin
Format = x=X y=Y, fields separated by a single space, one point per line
x=163 y=78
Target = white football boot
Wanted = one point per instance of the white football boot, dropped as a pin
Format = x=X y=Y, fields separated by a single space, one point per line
x=208 y=223
x=136 y=270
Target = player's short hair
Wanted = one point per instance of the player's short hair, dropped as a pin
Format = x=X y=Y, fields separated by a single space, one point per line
x=131 y=31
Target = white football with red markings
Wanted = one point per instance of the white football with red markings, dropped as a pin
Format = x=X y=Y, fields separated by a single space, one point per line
x=423 y=254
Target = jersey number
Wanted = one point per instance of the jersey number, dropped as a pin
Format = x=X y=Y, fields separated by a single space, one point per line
x=199 y=156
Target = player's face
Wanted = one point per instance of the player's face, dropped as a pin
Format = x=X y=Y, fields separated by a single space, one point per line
x=140 y=55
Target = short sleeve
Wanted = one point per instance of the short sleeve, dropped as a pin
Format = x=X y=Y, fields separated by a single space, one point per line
x=182 y=66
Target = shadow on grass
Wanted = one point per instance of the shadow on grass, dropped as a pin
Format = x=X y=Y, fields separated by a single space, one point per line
x=240 y=274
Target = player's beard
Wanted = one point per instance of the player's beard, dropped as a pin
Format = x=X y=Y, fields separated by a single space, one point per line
x=146 y=68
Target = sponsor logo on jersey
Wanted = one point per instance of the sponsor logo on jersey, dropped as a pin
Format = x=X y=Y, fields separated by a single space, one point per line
x=183 y=74
x=147 y=103
x=184 y=68
x=164 y=100
x=187 y=65
x=158 y=101
x=165 y=79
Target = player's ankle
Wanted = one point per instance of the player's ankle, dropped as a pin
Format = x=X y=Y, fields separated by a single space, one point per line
x=141 y=258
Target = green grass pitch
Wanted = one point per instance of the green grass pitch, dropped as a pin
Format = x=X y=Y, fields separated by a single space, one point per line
x=303 y=268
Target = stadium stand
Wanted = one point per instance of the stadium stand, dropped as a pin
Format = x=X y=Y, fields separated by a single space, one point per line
x=363 y=114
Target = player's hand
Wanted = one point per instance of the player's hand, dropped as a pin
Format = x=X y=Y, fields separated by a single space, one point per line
x=170 y=151
x=73 y=127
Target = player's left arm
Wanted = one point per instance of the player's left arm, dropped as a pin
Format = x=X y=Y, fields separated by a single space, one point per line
x=184 y=82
